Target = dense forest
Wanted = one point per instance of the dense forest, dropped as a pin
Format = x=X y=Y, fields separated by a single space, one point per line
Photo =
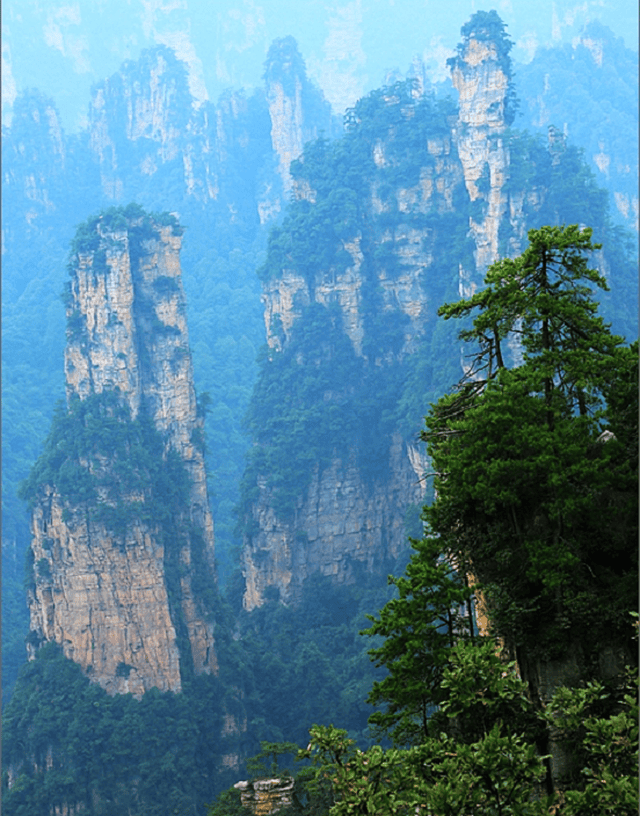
x=519 y=575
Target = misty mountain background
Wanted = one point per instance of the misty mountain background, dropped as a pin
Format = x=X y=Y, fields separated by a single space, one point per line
x=63 y=48
x=56 y=55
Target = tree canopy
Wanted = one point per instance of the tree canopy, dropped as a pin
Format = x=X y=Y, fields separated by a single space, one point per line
x=431 y=613
x=535 y=488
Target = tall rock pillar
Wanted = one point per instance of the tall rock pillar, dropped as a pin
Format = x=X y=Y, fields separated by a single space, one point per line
x=298 y=111
x=123 y=543
x=481 y=73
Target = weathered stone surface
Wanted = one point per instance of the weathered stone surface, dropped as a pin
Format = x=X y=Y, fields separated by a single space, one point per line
x=342 y=526
x=266 y=796
x=342 y=522
x=102 y=597
x=297 y=109
x=104 y=600
x=482 y=86
x=147 y=110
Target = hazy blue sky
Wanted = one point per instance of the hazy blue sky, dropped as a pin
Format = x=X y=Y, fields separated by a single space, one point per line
x=63 y=47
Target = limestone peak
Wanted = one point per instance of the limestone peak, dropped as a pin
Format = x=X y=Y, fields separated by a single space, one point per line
x=123 y=547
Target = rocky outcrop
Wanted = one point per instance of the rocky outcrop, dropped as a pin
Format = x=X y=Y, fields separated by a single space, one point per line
x=345 y=522
x=103 y=599
x=143 y=119
x=138 y=117
x=482 y=82
x=298 y=110
x=104 y=592
x=443 y=222
x=266 y=796
x=343 y=528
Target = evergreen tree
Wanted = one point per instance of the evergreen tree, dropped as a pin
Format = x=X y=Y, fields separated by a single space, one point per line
x=420 y=627
x=535 y=489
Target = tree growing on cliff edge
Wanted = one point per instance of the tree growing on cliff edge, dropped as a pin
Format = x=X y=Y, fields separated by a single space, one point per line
x=535 y=468
x=535 y=476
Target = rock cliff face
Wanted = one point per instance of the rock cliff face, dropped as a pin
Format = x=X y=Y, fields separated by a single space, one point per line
x=482 y=84
x=346 y=522
x=143 y=119
x=264 y=797
x=423 y=238
x=138 y=118
x=297 y=110
x=343 y=528
x=120 y=597
x=39 y=145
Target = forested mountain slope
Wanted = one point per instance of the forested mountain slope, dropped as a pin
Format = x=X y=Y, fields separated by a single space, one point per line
x=402 y=211
x=406 y=211
x=588 y=91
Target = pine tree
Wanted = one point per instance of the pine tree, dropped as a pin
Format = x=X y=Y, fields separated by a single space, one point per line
x=535 y=489
x=431 y=613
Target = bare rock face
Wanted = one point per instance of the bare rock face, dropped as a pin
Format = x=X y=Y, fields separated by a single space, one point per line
x=297 y=109
x=104 y=600
x=138 y=117
x=343 y=527
x=481 y=78
x=114 y=567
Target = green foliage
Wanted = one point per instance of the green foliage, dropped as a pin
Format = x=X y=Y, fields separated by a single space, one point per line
x=160 y=754
x=228 y=804
x=258 y=766
x=316 y=399
x=600 y=725
x=167 y=219
x=564 y=84
x=307 y=664
x=43 y=568
x=571 y=193
x=92 y=238
x=487 y=763
x=165 y=285
x=523 y=481
x=87 y=238
x=481 y=690
x=420 y=627
x=284 y=64
x=95 y=448
x=311 y=238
